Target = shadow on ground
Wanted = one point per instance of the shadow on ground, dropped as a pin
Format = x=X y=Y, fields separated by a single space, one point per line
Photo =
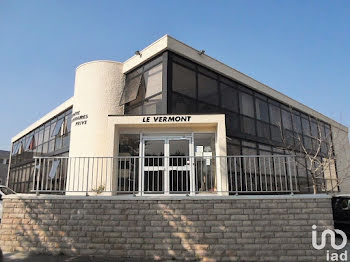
x=27 y=257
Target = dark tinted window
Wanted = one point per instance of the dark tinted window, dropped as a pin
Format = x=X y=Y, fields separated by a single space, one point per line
x=248 y=125
x=262 y=112
x=182 y=105
x=297 y=123
x=184 y=81
x=275 y=115
x=247 y=105
x=314 y=129
x=229 y=97
x=263 y=130
x=232 y=124
x=306 y=126
x=208 y=90
x=287 y=120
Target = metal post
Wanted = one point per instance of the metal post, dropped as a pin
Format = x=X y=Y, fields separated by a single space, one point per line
x=37 y=181
x=87 y=178
x=290 y=177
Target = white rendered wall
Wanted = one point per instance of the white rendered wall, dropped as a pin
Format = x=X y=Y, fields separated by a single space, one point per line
x=98 y=87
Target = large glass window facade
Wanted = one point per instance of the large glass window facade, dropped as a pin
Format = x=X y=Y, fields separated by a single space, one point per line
x=50 y=139
x=143 y=91
x=250 y=116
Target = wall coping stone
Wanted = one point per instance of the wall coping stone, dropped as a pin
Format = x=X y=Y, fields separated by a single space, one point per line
x=206 y=197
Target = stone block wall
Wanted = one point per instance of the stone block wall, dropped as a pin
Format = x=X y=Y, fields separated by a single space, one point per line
x=222 y=229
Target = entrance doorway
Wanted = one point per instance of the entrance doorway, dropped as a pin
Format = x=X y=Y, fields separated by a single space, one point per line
x=167 y=165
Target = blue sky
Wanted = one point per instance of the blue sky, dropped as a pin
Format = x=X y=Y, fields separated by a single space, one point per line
x=300 y=48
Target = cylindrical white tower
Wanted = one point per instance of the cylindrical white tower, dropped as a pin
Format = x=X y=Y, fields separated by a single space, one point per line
x=97 y=92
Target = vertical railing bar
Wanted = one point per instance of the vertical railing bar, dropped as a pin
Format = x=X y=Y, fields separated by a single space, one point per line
x=290 y=176
x=260 y=166
x=270 y=175
x=87 y=177
x=111 y=177
x=280 y=172
x=285 y=172
x=230 y=172
x=256 y=182
x=62 y=165
x=79 y=174
x=241 y=164
x=43 y=186
x=38 y=177
x=53 y=182
x=211 y=173
x=265 y=173
x=236 y=179
x=207 y=175
x=181 y=176
x=95 y=179
x=83 y=178
x=101 y=181
x=34 y=173
x=129 y=175
x=106 y=178
x=46 y=173
x=57 y=179
x=119 y=186
x=74 y=174
x=159 y=179
x=68 y=183
x=295 y=173
x=250 y=174
x=93 y=172
x=124 y=170
x=275 y=171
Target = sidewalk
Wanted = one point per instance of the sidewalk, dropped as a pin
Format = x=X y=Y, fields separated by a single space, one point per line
x=26 y=257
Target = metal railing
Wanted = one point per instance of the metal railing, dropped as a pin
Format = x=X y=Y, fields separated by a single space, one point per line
x=174 y=175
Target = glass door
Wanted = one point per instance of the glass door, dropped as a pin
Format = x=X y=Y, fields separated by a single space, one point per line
x=167 y=166
x=179 y=166
x=153 y=166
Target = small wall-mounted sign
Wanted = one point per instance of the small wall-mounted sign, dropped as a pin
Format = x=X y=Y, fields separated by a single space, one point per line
x=165 y=119
x=78 y=119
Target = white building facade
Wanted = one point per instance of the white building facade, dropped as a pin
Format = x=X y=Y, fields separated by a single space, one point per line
x=173 y=121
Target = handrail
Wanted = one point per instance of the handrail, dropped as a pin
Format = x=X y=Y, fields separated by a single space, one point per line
x=171 y=175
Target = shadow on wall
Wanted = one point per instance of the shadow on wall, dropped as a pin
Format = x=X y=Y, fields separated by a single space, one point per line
x=148 y=230
x=125 y=229
x=187 y=236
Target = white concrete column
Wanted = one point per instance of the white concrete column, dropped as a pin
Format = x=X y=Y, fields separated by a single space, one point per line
x=97 y=92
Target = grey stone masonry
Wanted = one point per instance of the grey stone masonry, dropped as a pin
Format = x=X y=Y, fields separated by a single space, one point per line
x=223 y=229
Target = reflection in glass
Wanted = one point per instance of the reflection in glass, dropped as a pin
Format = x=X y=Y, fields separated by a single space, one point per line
x=247 y=105
x=154 y=152
x=153 y=80
x=229 y=97
x=179 y=148
x=262 y=111
x=184 y=81
x=205 y=162
x=208 y=90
